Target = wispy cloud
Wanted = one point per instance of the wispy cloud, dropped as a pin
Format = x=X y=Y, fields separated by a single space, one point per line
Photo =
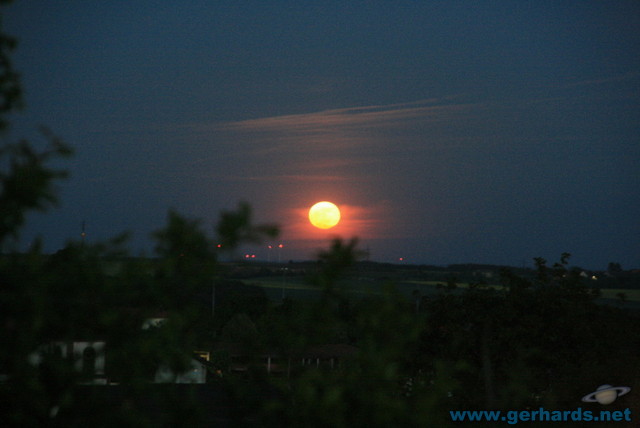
x=605 y=80
x=369 y=116
x=335 y=138
x=330 y=146
x=289 y=178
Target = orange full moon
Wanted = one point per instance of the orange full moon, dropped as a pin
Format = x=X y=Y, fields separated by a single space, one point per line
x=324 y=215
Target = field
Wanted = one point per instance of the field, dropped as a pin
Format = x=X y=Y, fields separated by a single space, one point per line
x=298 y=288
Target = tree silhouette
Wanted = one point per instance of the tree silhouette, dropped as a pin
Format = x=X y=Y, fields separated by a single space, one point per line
x=29 y=182
x=236 y=227
x=10 y=88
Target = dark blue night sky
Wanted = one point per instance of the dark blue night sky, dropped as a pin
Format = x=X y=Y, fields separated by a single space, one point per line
x=447 y=131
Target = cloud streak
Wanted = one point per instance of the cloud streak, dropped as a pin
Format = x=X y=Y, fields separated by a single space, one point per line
x=352 y=117
x=606 y=80
x=331 y=139
x=289 y=178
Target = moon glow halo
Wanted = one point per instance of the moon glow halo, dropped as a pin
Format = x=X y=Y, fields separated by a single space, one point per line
x=324 y=215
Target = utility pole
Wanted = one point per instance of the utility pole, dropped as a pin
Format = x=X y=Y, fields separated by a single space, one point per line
x=213 y=297
x=82 y=234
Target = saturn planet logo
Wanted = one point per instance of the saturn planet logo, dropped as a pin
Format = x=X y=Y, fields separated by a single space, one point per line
x=606 y=394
